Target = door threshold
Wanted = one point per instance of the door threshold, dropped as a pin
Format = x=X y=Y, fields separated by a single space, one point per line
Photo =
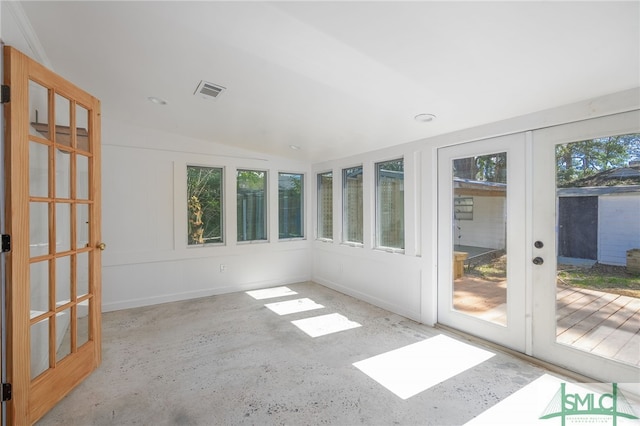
x=577 y=377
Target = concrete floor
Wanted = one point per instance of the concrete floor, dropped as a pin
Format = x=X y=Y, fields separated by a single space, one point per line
x=228 y=360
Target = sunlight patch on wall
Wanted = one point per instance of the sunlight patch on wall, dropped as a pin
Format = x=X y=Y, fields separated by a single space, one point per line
x=412 y=369
x=325 y=324
x=293 y=306
x=268 y=293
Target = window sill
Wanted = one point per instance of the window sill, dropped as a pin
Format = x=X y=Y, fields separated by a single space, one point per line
x=390 y=250
x=352 y=244
x=196 y=246
x=252 y=242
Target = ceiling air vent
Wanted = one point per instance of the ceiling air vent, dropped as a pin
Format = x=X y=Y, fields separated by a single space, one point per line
x=208 y=90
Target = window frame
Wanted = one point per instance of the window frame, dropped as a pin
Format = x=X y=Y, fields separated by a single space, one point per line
x=320 y=206
x=302 y=207
x=265 y=207
x=346 y=206
x=378 y=211
x=222 y=204
x=463 y=207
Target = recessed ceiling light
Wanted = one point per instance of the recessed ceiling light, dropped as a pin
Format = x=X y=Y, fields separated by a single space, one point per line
x=296 y=147
x=424 y=118
x=157 y=101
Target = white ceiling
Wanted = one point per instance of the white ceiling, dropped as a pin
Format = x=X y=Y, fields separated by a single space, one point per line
x=337 y=78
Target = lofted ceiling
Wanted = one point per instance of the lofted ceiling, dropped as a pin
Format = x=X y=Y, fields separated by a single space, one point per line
x=336 y=78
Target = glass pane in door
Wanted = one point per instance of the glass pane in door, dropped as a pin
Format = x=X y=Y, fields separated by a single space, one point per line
x=39 y=110
x=63 y=227
x=38 y=169
x=479 y=236
x=82 y=231
x=63 y=173
x=82 y=177
x=63 y=280
x=598 y=246
x=63 y=334
x=39 y=335
x=82 y=128
x=39 y=288
x=82 y=274
x=63 y=119
x=83 y=323
x=39 y=229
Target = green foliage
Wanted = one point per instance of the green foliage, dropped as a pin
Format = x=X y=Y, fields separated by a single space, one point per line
x=251 y=180
x=578 y=160
x=392 y=166
x=204 y=195
x=484 y=168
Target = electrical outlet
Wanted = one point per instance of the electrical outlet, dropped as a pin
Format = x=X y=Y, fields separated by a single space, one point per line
x=223 y=267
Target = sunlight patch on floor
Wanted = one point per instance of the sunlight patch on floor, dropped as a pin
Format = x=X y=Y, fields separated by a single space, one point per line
x=268 y=293
x=412 y=369
x=325 y=324
x=293 y=306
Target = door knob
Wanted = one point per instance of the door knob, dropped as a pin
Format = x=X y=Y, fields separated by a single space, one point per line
x=538 y=244
x=538 y=261
x=102 y=246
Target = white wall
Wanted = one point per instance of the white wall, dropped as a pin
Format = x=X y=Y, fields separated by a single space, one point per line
x=389 y=279
x=488 y=227
x=406 y=283
x=147 y=260
x=618 y=227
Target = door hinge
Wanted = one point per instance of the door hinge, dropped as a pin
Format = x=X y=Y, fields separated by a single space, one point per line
x=5 y=94
x=6 y=392
x=6 y=243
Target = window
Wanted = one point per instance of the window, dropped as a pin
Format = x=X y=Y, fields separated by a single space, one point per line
x=290 y=205
x=463 y=208
x=204 y=205
x=325 y=205
x=352 y=204
x=252 y=205
x=390 y=204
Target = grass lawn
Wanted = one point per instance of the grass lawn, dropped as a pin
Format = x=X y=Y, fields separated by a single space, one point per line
x=610 y=279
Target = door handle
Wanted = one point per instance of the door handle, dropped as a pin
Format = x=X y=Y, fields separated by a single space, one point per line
x=538 y=260
x=102 y=246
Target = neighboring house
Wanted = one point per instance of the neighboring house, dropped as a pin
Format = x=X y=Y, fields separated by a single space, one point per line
x=480 y=214
x=598 y=216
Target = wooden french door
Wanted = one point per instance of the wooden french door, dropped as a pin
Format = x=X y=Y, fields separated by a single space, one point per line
x=52 y=213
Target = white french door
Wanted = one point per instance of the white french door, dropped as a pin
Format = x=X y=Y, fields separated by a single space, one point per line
x=502 y=250
x=481 y=211
x=586 y=330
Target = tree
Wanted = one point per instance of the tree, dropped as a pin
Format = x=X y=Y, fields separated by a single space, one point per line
x=204 y=204
x=578 y=160
x=486 y=168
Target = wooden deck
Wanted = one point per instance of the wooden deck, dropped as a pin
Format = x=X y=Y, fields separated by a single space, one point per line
x=605 y=324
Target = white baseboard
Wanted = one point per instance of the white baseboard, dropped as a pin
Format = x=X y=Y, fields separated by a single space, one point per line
x=176 y=297
x=396 y=309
